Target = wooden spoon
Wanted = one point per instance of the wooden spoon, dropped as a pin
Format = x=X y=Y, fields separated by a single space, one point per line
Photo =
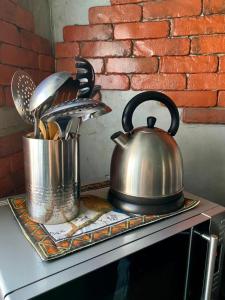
x=52 y=130
x=43 y=130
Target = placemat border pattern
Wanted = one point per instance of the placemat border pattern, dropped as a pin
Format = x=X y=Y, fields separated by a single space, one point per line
x=48 y=249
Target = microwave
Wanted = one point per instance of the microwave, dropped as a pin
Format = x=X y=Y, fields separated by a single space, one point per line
x=188 y=265
x=179 y=258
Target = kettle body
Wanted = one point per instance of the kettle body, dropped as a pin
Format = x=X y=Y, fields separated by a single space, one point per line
x=146 y=174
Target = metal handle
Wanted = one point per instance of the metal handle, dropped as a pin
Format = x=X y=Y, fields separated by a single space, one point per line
x=210 y=264
x=211 y=258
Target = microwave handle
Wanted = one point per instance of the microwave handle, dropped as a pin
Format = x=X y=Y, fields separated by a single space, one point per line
x=212 y=241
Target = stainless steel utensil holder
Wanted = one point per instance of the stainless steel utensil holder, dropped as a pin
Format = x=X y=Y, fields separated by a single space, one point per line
x=52 y=179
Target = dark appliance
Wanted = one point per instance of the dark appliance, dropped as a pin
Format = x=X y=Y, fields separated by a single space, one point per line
x=187 y=265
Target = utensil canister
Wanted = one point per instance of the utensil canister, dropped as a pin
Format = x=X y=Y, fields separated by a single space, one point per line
x=52 y=179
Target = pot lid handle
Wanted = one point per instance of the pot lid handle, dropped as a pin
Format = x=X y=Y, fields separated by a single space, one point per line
x=147 y=96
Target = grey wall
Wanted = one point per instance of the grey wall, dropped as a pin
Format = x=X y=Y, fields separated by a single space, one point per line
x=202 y=146
x=41 y=12
x=69 y=12
x=10 y=121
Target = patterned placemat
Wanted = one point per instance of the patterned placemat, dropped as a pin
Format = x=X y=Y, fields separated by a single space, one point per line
x=96 y=222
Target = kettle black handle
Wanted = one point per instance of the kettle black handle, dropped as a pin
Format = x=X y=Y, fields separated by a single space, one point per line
x=146 y=96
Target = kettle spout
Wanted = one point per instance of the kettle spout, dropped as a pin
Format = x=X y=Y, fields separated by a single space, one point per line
x=120 y=139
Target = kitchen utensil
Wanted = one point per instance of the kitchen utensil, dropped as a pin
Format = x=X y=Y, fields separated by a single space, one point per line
x=64 y=124
x=43 y=130
x=44 y=94
x=62 y=116
x=52 y=181
x=96 y=89
x=68 y=90
x=64 y=113
x=47 y=89
x=86 y=76
x=146 y=166
x=22 y=88
x=56 y=136
x=52 y=130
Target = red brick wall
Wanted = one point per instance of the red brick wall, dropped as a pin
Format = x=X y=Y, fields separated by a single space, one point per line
x=20 y=48
x=176 y=46
x=11 y=165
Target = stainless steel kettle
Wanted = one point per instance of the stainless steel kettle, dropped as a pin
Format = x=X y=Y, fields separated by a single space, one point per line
x=146 y=173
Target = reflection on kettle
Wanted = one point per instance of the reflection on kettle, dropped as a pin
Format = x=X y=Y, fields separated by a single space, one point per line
x=146 y=167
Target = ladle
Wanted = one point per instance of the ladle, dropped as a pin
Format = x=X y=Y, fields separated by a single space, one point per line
x=44 y=95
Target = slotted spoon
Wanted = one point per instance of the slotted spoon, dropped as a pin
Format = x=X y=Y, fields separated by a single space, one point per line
x=64 y=113
x=22 y=87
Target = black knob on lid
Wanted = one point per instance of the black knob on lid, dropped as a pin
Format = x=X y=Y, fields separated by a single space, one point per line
x=151 y=122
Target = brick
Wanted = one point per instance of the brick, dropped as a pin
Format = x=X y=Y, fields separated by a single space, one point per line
x=116 y=2
x=6 y=186
x=6 y=74
x=31 y=41
x=132 y=65
x=188 y=64
x=19 y=57
x=97 y=64
x=2 y=97
x=208 y=44
x=44 y=46
x=158 y=81
x=104 y=49
x=46 y=63
x=5 y=167
x=204 y=115
x=35 y=75
x=18 y=179
x=198 y=25
x=87 y=32
x=115 y=14
x=66 y=64
x=206 y=81
x=8 y=11
x=141 y=30
x=24 y=19
x=161 y=47
x=222 y=63
x=11 y=144
x=193 y=98
x=167 y=8
x=16 y=162
x=113 y=82
x=221 y=98
x=9 y=33
x=65 y=50
x=213 y=6
x=8 y=97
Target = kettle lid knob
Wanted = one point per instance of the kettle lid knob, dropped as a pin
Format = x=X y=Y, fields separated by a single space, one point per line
x=151 y=122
